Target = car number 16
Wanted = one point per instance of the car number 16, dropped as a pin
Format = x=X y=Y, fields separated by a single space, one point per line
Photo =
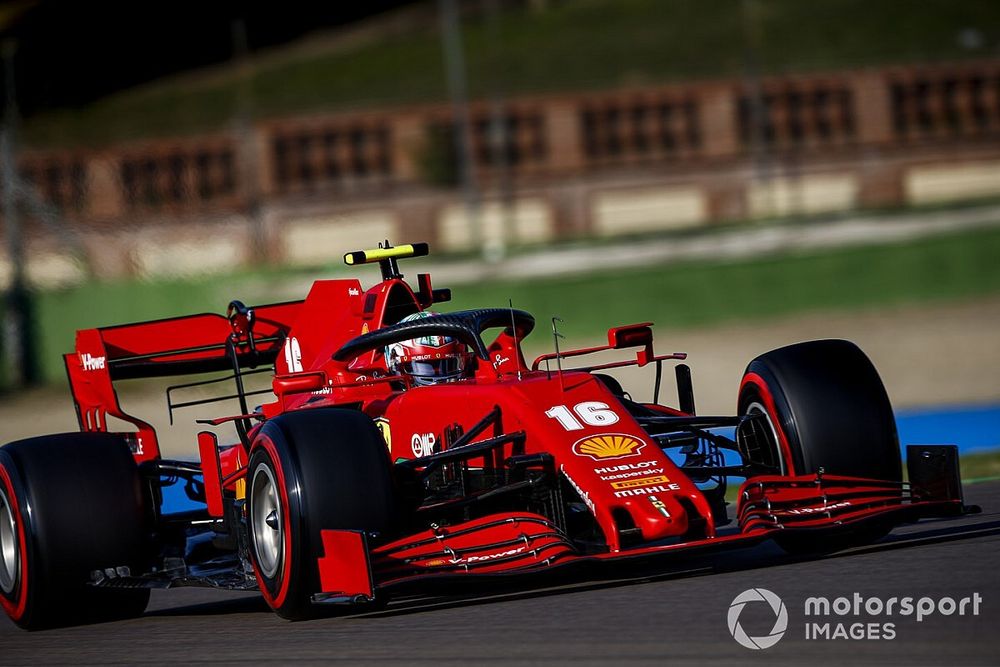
x=592 y=413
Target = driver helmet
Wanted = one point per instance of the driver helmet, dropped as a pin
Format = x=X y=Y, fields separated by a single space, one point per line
x=429 y=359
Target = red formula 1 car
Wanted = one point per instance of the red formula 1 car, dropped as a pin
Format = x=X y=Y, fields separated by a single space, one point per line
x=403 y=448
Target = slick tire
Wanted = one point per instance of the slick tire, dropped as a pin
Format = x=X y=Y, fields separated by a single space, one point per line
x=323 y=468
x=69 y=504
x=826 y=408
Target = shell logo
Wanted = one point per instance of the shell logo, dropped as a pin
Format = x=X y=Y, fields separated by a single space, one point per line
x=608 y=446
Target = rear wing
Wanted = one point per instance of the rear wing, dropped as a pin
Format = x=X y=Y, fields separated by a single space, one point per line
x=204 y=343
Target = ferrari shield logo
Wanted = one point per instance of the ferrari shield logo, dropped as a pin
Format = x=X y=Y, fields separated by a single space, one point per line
x=383 y=427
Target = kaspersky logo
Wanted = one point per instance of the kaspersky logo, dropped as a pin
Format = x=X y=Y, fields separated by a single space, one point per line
x=608 y=446
x=777 y=607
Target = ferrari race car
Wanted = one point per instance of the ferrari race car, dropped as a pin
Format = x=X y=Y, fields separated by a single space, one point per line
x=399 y=449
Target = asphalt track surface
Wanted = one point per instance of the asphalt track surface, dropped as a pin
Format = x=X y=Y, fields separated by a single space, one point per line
x=670 y=616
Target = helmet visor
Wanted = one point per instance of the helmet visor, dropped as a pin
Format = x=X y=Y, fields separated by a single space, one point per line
x=445 y=367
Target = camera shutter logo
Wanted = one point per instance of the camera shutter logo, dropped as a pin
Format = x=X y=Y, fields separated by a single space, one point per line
x=780 y=622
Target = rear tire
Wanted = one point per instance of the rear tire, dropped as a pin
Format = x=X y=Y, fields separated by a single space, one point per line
x=827 y=409
x=317 y=469
x=69 y=504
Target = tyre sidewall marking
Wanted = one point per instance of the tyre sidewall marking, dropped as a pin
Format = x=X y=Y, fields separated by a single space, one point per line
x=278 y=599
x=15 y=609
x=761 y=386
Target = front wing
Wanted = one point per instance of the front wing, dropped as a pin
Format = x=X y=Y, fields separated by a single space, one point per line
x=811 y=509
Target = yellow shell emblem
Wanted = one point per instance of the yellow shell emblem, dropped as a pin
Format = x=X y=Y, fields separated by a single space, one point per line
x=608 y=446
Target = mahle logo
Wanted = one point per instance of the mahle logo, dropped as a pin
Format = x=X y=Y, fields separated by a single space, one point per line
x=780 y=618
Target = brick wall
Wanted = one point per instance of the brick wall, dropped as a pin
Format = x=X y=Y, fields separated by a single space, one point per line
x=590 y=163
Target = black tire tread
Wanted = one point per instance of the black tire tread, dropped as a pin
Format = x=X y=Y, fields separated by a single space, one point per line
x=339 y=462
x=833 y=407
x=87 y=512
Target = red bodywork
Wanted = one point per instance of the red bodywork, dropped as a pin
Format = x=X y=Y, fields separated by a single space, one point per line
x=619 y=472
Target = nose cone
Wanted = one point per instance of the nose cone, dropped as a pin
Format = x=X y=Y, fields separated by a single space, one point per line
x=658 y=514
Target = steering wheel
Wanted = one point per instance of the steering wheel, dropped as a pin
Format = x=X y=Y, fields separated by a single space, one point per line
x=464 y=325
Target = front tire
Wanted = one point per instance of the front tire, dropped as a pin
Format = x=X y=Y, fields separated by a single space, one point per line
x=69 y=504
x=317 y=469
x=826 y=409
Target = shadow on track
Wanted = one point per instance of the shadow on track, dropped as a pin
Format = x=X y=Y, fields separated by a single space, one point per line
x=606 y=576
x=761 y=556
x=245 y=605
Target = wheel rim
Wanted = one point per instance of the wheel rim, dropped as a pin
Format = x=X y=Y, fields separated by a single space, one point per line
x=8 y=546
x=757 y=408
x=266 y=518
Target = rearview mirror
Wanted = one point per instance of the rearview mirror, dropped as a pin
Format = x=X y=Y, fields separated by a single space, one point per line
x=631 y=335
x=298 y=383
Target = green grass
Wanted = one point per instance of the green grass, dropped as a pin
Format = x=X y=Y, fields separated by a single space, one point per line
x=980 y=466
x=585 y=44
x=942 y=268
x=694 y=294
